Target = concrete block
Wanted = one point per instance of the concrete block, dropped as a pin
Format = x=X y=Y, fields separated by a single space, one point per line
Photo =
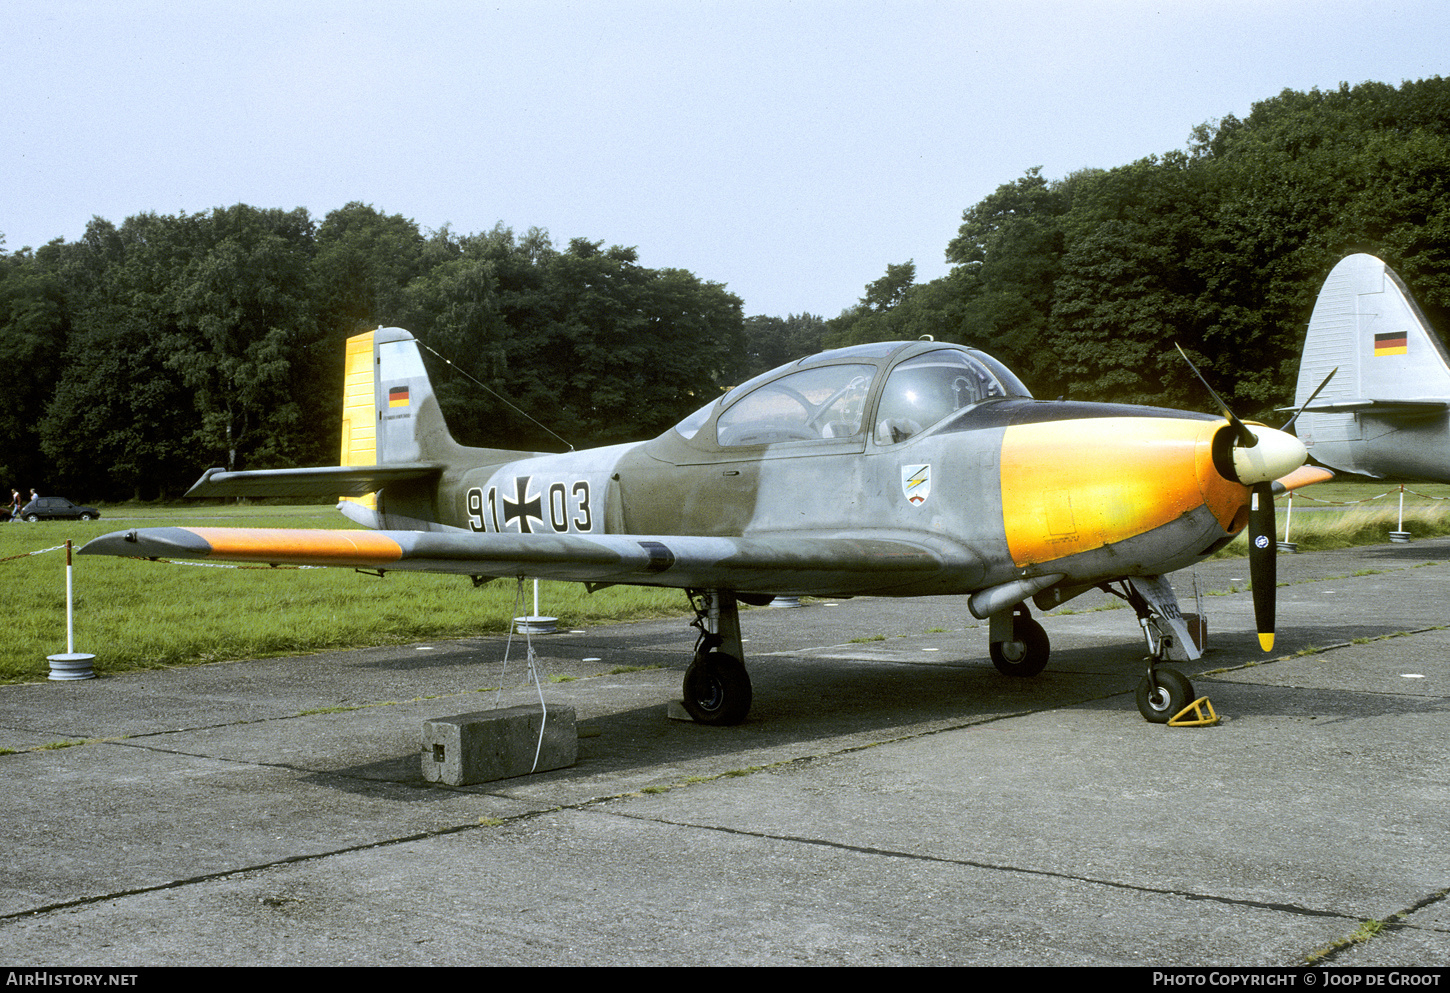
x=498 y=744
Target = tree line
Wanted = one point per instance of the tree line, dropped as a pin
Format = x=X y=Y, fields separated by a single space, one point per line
x=141 y=354
x=1083 y=284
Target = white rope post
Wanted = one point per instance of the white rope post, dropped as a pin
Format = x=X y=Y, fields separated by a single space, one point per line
x=73 y=664
x=70 y=627
x=1401 y=536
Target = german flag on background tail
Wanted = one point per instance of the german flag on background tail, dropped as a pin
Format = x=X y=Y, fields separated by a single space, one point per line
x=1391 y=343
x=398 y=395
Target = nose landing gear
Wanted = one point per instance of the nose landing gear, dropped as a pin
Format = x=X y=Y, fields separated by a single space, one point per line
x=1164 y=692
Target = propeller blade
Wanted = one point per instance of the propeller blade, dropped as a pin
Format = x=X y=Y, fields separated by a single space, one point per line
x=1246 y=437
x=1281 y=454
x=1259 y=455
x=1263 y=560
x=1310 y=400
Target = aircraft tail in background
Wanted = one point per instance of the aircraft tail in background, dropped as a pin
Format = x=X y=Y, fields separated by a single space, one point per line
x=1384 y=414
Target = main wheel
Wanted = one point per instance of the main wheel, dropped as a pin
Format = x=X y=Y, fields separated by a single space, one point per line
x=1160 y=703
x=717 y=689
x=1026 y=654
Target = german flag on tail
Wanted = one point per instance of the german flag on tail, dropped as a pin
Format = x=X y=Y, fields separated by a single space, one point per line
x=1391 y=343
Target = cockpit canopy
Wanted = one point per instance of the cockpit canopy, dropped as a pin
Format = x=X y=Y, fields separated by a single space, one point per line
x=889 y=390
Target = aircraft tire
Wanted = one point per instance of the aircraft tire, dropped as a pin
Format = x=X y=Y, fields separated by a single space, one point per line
x=1026 y=656
x=717 y=690
x=1174 y=692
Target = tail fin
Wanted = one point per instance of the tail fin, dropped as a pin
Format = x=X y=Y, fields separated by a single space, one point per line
x=1393 y=367
x=389 y=412
x=390 y=416
x=359 y=426
x=394 y=439
x=391 y=420
x=1366 y=323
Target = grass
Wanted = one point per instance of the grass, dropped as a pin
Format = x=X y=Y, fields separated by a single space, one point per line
x=1345 y=514
x=1350 y=526
x=139 y=615
x=1366 y=931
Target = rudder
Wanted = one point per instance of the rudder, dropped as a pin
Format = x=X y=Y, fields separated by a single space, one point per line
x=359 y=423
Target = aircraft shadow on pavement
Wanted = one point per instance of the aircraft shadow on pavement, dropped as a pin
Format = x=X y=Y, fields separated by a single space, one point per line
x=807 y=705
x=1393 y=552
x=1237 y=648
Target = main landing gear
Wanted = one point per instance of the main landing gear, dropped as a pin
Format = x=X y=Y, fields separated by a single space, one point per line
x=717 y=687
x=1020 y=650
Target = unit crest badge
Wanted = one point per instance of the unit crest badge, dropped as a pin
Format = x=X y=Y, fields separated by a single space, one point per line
x=916 y=483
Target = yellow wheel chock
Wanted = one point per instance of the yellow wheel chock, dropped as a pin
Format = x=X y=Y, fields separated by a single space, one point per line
x=1203 y=715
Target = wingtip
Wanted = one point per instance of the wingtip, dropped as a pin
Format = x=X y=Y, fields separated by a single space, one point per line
x=148 y=543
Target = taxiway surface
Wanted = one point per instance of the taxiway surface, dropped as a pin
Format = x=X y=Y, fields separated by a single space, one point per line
x=891 y=800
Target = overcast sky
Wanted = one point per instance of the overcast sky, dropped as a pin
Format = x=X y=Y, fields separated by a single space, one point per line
x=789 y=149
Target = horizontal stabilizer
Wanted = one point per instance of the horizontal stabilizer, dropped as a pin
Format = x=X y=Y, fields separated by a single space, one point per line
x=1389 y=408
x=839 y=565
x=320 y=481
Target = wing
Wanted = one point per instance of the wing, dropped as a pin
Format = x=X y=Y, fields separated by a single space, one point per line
x=838 y=565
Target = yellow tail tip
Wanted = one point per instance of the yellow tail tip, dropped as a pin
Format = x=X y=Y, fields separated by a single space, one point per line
x=1266 y=641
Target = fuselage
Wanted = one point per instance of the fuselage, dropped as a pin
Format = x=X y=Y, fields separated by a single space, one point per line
x=1016 y=487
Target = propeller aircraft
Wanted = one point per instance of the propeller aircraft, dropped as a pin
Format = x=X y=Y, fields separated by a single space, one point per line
x=888 y=469
x=1389 y=415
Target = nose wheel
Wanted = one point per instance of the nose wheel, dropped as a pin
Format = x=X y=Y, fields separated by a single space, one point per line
x=1162 y=693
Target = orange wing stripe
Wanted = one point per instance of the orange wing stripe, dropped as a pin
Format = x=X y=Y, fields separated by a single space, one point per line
x=305 y=546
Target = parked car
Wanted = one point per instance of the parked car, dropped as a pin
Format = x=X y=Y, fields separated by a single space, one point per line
x=55 y=509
